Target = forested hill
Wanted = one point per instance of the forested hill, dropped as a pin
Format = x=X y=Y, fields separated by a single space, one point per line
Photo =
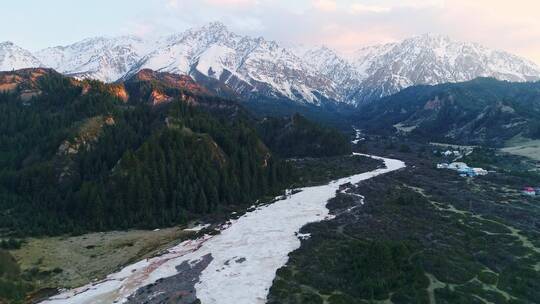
x=81 y=156
x=296 y=136
x=481 y=111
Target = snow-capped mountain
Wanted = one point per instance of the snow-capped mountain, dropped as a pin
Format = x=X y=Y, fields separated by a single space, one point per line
x=106 y=59
x=433 y=59
x=250 y=66
x=345 y=76
x=255 y=68
x=381 y=70
x=13 y=57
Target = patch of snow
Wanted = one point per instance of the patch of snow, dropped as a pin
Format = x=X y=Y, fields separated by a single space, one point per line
x=358 y=136
x=198 y=227
x=13 y=57
x=303 y=236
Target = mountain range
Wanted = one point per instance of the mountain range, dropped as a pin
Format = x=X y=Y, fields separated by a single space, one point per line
x=258 y=69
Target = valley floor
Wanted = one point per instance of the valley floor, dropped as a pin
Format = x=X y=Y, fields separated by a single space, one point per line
x=420 y=235
x=72 y=261
x=525 y=148
x=236 y=265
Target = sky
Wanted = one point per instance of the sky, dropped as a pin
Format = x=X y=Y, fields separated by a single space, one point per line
x=344 y=25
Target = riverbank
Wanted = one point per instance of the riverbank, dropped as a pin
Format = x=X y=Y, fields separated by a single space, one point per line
x=72 y=261
x=51 y=263
x=244 y=256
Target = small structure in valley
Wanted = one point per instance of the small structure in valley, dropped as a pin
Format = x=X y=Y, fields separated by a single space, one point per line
x=466 y=172
x=529 y=191
x=463 y=169
x=480 y=171
x=449 y=153
x=442 y=166
x=457 y=166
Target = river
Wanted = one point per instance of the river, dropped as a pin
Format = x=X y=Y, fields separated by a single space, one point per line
x=236 y=266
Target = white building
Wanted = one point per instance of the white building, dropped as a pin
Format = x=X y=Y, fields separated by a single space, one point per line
x=458 y=166
x=447 y=153
x=480 y=171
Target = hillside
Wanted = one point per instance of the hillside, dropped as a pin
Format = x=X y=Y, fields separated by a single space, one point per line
x=296 y=136
x=92 y=156
x=481 y=111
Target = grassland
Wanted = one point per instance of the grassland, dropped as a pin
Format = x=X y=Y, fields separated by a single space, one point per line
x=523 y=147
x=45 y=264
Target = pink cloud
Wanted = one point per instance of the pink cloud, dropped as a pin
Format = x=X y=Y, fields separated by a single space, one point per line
x=325 y=5
x=347 y=39
x=350 y=24
x=506 y=25
x=232 y=2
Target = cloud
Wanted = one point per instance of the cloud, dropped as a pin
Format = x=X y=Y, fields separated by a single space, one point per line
x=362 y=8
x=325 y=5
x=241 y=3
x=508 y=25
x=172 y=3
x=345 y=25
x=388 y=6
x=175 y=4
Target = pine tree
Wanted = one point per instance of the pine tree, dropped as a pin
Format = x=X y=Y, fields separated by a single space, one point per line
x=202 y=202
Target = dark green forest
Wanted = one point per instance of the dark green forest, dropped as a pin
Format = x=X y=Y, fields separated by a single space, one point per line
x=123 y=164
x=154 y=151
x=297 y=136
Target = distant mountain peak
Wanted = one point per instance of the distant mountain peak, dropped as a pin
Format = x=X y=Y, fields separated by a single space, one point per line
x=13 y=57
x=432 y=36
x=6 y=43
x=215 y=26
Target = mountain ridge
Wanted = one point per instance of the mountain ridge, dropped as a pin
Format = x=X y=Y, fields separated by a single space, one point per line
x=483 y=111
x=253 y=68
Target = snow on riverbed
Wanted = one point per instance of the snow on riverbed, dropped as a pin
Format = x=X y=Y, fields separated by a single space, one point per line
x=245 y=255
x=358 y=136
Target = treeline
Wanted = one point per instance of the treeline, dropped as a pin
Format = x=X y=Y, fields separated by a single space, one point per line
x=298 y=137
x=150 y=167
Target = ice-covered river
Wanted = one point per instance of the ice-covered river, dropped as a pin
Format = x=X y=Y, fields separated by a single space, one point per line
x=236 y=266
